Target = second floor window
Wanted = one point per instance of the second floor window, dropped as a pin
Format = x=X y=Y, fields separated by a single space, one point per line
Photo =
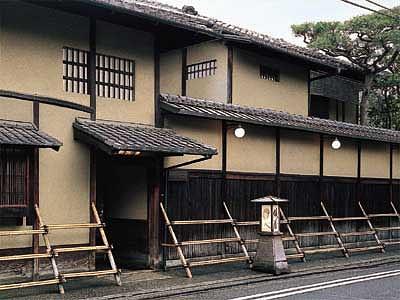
x=270 y=74
x=202 y=69
x=115 y=76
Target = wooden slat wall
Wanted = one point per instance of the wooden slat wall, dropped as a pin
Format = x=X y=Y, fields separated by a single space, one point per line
x=198 y=195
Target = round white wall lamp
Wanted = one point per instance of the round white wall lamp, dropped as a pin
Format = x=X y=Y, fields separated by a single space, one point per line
x=336 y=144
x=240 y=132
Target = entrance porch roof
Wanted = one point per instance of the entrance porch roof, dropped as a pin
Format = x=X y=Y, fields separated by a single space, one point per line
x=121 y=138
x=25 y=134
x=266 y=117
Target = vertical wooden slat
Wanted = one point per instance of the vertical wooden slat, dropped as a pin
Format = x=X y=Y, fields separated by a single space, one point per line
x=184 y=72
x=92 y=67
x=278 y=162
x=230 y=75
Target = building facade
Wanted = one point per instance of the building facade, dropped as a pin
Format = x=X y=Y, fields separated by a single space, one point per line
x=141 y=101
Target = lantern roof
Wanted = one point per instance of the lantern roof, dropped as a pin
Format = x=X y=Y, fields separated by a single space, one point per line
x=270 y=199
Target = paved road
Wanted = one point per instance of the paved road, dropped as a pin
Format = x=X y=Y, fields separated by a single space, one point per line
x=381 y=283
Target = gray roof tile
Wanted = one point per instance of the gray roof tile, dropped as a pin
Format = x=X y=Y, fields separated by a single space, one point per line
x=217 y=110
x=113 y=136
x=14 y=133
x=177 y=17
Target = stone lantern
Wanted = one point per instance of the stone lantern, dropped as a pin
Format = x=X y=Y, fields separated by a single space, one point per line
x=270 y=256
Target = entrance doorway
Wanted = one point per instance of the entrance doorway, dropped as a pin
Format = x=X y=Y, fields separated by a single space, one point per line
x=122 y=200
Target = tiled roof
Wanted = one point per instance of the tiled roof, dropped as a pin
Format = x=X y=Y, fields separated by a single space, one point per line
x=25 y=134
x=177 y=17
x=222 y=111
x=112 y=137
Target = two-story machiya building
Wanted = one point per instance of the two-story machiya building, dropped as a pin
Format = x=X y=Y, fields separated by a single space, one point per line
x=140 y=102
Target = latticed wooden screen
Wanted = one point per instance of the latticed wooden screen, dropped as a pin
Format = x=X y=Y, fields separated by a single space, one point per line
x=270 y=74
x=202 y=69
x=115 y=76
x=14 y=174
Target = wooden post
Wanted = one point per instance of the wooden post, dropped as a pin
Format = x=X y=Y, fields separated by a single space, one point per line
x=184 y=72
x=230 y=75
x=309 y=91
x=344 y=111
x=391 y=173
x=358 y=184
x=337 y=110
x=278 y=162
x=92 y=67
x=35 y=193
x=93 y=197
x=93 y=169
x=321 y=166
x=154 y=183
x=159 y=121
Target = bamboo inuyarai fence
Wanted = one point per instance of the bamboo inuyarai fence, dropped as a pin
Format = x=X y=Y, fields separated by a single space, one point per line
x=53 y=252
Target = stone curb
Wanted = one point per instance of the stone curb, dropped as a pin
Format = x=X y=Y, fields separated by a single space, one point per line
x=225 y=283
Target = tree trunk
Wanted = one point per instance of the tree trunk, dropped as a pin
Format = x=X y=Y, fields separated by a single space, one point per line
x=364 y=99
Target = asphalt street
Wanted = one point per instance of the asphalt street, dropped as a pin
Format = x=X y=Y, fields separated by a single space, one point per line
x=381 y=283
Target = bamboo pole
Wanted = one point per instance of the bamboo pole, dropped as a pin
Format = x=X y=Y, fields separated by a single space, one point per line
x=175 y=241
x=105 y=242
x=291 y=233
x=49 y=250
x=337 y=236
x=371 y=227
x=236 y=231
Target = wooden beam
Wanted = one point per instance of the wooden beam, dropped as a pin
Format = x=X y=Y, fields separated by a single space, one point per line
x=45 y=100
x=230 y=75
x=92 y=67
x=184 y=72
x=35 y=192
x=278 y=162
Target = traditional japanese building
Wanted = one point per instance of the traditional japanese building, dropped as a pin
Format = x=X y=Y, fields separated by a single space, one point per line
x=140 y=101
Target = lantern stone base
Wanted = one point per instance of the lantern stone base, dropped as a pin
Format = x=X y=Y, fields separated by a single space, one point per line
x=270 y=256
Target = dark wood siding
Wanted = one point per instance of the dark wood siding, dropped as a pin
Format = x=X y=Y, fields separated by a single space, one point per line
x=198 y=195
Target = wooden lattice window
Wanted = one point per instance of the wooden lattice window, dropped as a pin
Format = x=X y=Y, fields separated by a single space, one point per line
x=115 y=76
x=202 y=69
x=14 y=179
x=270 y=74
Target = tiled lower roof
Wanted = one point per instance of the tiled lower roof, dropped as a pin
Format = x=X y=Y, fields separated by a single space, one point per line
x=236 y=113
x=113 y=137
x=25 y=134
